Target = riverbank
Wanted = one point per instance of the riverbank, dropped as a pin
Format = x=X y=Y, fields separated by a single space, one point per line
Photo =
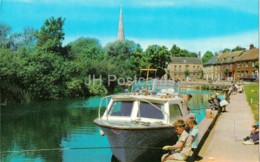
x=225 y=141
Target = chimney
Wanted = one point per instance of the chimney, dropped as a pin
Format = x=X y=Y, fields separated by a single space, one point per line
x=251 y=46
x=198 y=55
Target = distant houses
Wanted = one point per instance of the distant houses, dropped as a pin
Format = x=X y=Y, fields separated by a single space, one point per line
x=232 y=65
x=185 y=68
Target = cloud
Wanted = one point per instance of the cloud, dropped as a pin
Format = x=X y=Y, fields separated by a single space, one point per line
x=214 y=44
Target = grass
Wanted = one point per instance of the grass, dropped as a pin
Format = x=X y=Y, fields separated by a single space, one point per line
x=252 y=97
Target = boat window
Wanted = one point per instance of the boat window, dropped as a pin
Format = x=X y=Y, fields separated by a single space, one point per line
x=147 y=110
x=175 y=112
x=121 y=108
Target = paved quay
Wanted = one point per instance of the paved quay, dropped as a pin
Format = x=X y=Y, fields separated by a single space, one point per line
x=225 y=141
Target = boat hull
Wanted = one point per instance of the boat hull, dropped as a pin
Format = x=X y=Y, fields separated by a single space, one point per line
x=131 y=145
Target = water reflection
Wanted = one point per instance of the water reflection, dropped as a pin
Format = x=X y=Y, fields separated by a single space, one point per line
x=60 y=125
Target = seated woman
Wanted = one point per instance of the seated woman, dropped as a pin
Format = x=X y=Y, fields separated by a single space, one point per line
x=182 y=149
x=253 y=138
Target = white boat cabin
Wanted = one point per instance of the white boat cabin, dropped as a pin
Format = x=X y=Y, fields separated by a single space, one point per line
x=164 y=109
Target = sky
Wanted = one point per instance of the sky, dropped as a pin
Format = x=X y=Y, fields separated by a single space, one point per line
x=195 y=25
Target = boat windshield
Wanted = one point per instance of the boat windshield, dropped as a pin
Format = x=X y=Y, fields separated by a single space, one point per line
x=175 y=112
x=148 y=110
x=121 y=108
x=155 y=85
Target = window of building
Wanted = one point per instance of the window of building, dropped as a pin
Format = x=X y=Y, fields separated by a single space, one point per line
x=194 y=68
x=246 y=74
x=253 y=64
x=246 y=64
x=175 y=68
x=238 y=65
x=238 y=74
x=253 y=73
x=180 y=68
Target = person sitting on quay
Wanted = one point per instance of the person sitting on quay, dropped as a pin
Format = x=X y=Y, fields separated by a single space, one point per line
x=222 y=102
x=182 y=149
x=193 y=136
x=216 y=102
x=212 y=105
x=253 y=138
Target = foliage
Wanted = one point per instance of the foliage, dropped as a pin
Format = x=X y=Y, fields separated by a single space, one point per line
x=252 y=92
x=4 y=33
x=238 y=48
x=207 y=56
x=226 y=50
x=178 y=52
x=50 y=36
x=186 y=72
x=225 y=71
x=158 y=58
x=34 y=65
x=120 y=52
x=97 y=88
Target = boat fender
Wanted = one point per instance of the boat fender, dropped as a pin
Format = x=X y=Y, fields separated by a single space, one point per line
x=101 y=132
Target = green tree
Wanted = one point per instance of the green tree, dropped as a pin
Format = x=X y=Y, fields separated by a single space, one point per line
x=175 y=51
x=5 y=31
x=158 y=57
x=178 y=52
x=207 y=56
x=226 y=50
x=120 y=52
x=238 y=48
x=87 y=48
x=51 y=35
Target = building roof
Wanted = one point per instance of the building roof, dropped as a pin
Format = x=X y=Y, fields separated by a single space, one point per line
x=228 y=57
x=211 y=61
x=252 y=54
x=185 y=60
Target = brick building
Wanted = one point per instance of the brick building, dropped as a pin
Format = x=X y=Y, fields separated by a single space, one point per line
x=232 y=65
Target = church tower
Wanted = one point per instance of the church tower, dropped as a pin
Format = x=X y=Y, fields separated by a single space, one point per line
x=121 y=35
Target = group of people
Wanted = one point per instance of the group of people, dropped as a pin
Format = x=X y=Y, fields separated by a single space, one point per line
x=187 y=142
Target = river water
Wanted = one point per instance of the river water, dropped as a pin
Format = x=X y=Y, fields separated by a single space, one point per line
x=63 y=131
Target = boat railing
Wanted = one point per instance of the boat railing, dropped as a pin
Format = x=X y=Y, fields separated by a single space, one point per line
x=100 y=104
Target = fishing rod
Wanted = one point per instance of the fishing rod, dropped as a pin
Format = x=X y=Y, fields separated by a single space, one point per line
x=80 y=148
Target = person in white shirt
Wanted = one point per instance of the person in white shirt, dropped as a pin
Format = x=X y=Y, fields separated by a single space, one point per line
x=179 y=150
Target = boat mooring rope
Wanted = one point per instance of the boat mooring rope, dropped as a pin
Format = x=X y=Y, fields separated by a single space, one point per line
x=80 y=148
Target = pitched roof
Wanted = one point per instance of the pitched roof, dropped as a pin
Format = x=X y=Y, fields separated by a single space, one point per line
x=185 y=60
x=211 y=61
x=228 y=57
x=252 y=54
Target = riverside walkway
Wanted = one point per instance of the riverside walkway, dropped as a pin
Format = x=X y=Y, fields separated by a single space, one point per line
x=225 y=141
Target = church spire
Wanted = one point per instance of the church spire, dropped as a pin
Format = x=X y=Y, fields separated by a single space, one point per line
x=121 y=35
